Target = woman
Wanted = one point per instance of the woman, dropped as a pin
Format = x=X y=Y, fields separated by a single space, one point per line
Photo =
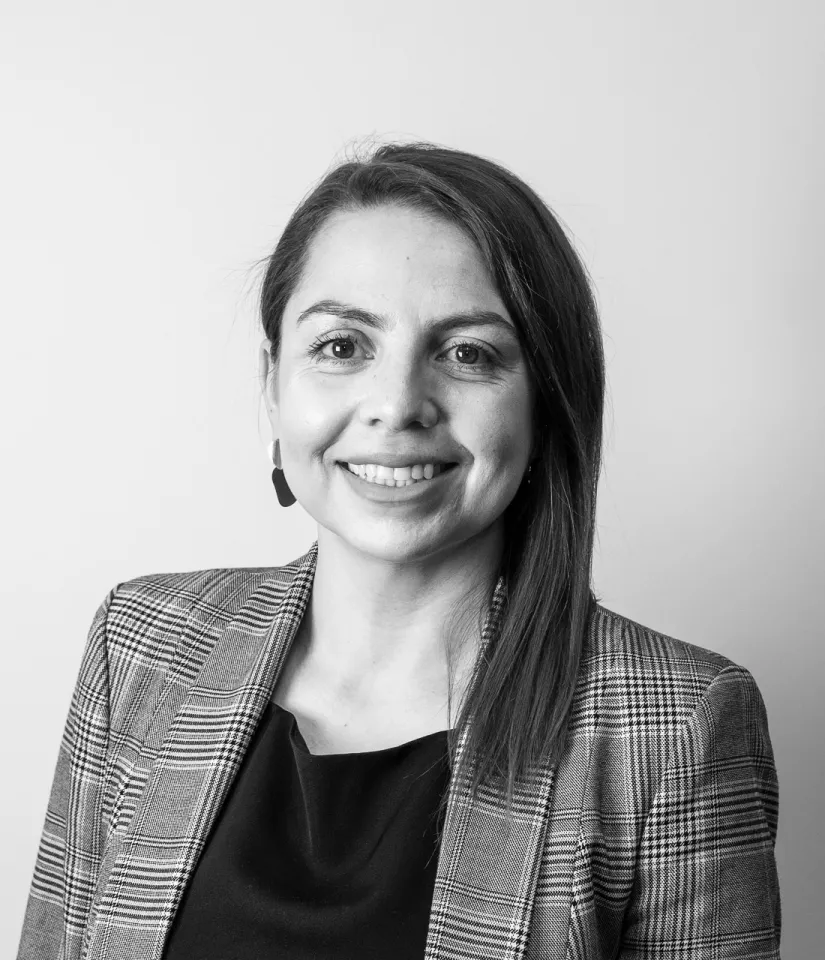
x=425 y=737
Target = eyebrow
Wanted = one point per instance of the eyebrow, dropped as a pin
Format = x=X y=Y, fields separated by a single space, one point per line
x=453 y=321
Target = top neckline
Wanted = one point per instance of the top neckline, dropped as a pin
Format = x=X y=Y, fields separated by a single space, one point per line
x=298 y=740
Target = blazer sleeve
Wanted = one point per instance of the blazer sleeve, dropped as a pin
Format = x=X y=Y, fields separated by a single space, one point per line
x=69 y=854
x=706 y=882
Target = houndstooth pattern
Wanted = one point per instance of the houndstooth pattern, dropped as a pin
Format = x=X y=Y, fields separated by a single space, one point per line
x=654 y=836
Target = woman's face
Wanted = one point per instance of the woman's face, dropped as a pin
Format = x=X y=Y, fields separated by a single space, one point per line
x=398 y=382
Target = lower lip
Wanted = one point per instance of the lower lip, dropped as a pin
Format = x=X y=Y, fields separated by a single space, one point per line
x=385 y=494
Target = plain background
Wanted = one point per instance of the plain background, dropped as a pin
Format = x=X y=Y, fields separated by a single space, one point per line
x=152 y=153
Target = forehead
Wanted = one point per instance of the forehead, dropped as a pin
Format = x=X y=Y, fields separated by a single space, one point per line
x=394 y=258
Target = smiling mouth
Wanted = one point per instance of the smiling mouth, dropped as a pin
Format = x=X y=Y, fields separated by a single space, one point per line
x=389 y=482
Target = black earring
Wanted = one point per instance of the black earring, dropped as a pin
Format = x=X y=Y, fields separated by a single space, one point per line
x=285 y=496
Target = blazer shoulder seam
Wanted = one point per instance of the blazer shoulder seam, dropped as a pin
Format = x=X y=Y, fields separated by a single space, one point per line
x=618 y=634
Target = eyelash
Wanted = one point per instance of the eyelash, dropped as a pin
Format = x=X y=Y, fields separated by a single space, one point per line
x=315 y=351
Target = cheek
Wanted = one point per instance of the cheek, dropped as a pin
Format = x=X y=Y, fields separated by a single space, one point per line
x=497 y=468
x=502 y=436
x=307 y=421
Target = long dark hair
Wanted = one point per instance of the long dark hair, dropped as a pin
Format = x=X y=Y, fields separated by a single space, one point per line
x=522 y=695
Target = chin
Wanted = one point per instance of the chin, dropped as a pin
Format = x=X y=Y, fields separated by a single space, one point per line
x=393 y=546
x=393 y=542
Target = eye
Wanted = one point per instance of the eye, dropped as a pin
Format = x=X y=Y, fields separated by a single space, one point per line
x=472 y=349
x=316 y=348
x=465 y=348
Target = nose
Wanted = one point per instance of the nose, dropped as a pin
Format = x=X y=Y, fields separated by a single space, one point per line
x=399 y=392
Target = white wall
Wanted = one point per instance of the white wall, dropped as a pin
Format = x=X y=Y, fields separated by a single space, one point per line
x=152 y=152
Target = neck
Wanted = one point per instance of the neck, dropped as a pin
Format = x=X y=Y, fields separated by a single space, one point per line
x=384 y=624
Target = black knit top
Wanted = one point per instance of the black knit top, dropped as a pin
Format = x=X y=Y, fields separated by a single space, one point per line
x=318 y=857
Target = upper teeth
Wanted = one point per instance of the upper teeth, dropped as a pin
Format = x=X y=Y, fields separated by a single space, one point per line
x=415 y=471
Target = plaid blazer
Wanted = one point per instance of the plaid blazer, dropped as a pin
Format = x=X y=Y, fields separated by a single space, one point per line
x=653 y=837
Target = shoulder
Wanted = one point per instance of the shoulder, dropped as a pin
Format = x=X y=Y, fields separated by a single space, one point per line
x=153 y=621
x=642 y=680
x=214 y=593
x=217 y=594
x=617 y=646
x=649 y=706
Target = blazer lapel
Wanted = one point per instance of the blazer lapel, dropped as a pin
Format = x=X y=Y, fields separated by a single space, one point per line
x=486 y=879
x=200 y=756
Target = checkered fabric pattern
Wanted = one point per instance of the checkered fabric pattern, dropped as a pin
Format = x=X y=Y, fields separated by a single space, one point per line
x=653 y=837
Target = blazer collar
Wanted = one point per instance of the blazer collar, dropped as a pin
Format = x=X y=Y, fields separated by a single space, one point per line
x=482 y=872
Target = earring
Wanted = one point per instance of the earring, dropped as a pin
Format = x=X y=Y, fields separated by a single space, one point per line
x=285 y=496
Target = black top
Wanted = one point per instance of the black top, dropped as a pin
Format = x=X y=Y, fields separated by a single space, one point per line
x=318 y=857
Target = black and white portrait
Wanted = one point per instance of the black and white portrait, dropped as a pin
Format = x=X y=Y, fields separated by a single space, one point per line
x=412 y=493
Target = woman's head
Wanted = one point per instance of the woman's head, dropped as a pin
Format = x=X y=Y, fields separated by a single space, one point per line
x=440 y=379
x=413 y=233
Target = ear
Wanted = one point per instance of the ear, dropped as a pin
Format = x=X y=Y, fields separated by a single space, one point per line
x=268 y=375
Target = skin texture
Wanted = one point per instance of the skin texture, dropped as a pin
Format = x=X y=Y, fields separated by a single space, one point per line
x=369 y=666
